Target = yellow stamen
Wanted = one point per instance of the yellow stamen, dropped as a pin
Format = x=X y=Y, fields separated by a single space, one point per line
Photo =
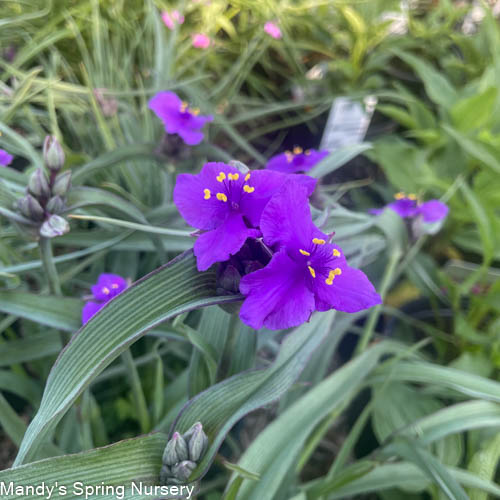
x=184 y=106
x=336 y=253
x=331 y=275
x=318 y=241
x=105 y=290
x=247 y=177
x=114 y=286
x=337 y=271
x=312 y=271
x=221 y=177
x=412 y=197
x=248 y=189
x=221 y=197
x=303 y=252
x=195 y=111
x=297 y=150
x=308 y=152
x=399 y=196
x=207 y=194
x=289 y=156
x=233 y=177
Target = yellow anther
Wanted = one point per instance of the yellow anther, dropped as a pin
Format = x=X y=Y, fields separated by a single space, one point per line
x=412 y=197
x=303 y=252
x=184 y=106
x=318 y=241
x=337 y=271
x=297 y=150
x=221 y=197
x=289 y=156
x=336 y=253
x=248 y=189
x=195 y=111
x=331 y=275
x=312 y=271
x=221 y=177
x=399 y=196
x=247 y=177
x=207 y=194
x=329 y=280
x=308 y=152
x=114 y=286
x=233 y=177
x=105 y=290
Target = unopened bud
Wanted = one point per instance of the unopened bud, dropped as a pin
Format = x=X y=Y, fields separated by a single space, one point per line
x=54 y=226
x=30 y=208
x=55 y=205
x=53 y=154
x=183 y=470
x=62 y=184
x=176 y=450
x=38 y=185
x=197 y=443
x=165 y=473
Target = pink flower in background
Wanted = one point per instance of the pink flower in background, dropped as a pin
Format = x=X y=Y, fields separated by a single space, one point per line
x=201 y=41
x=272 y=29
x=170 y=19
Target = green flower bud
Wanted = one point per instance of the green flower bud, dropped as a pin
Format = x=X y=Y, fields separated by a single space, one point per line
x=165 y=473
x=183 y=470
x=197 y=443
x=176 y=450
x=55 y=205
x=62 y=184
x=53 y=154
x=38 y=185
x=54 y=226
x=30 y=208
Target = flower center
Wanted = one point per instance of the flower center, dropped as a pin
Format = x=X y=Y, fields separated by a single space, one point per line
x=319 y=263
x=403 y=196
x=232 y=189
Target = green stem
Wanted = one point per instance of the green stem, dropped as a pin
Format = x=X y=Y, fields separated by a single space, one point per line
x=137 y=392
x=49 y=266
x=375 y=312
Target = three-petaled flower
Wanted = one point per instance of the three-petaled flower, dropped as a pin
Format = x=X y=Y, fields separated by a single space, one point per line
x=178 y=117
x=296 y=160
x=409 y=206
x=5 y=158
x=306 y=273
x=227 y=205
x=107 y=287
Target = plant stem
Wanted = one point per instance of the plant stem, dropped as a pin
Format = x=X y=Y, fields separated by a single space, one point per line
x=137 y=392
x=49 y=266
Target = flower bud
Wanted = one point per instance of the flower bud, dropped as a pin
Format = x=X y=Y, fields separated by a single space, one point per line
x=30 y=208
x=183 y=470
x=62 y=184
x=53 y=154
x=176 y=450
x=54 y=226
x=55 y=205
x=38 y=185
x=197 y=443
x=165 y=473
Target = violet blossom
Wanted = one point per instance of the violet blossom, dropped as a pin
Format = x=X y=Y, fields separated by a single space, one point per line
x=306 y=274
x=272 y=29
x=178 y=117
x=409 y=206
x=226 y=205
x=200 y=41
x=107 y=287
x=297 y=160
x=171 y=19
x=5 y=158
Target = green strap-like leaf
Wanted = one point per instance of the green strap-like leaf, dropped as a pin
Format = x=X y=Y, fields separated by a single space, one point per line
x=170 y=290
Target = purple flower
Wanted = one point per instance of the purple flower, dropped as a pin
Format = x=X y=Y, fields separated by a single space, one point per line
x=227 y=205
x=5 y=158
x=200 y=41
x=107 y=287
x=272 y=29
x=306 y=273
x=296 y=160
x=409 y=206
x=178 y=118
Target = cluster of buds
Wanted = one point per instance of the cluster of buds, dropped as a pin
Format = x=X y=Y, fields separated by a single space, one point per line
x=182 y=454
x=45 y=197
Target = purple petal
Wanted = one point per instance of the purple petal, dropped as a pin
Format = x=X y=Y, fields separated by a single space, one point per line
x=350 y=291
x=219 y=244
x=277 y=296
x=289 y=162
x=108 y=286
x=433 y=210
x=375 y=211
x=5 y=158
x=190 y=137
x=404 y=207
x=166 y=105
x=89 y=309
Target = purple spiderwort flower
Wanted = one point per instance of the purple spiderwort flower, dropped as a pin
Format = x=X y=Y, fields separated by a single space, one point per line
x=306 y=274
x=408 y=206
x=272 y=29
x=5 y=158
x=171 y=19
x=227 y=205
x=178 y=118
x=107 y=287
x=297 y=160
x=200 y=41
